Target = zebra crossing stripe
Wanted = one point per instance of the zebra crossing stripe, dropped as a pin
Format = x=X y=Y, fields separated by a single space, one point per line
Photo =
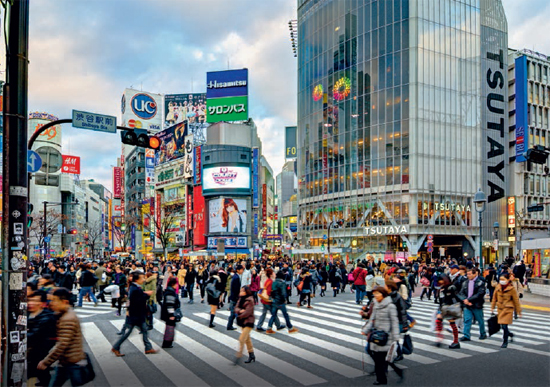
x=115 y=369
x=170 y=367
x=291 y=371
x=238 y=374
x=314 y=358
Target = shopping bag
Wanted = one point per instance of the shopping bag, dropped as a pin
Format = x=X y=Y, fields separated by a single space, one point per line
x=493 y=325
x=407 y=346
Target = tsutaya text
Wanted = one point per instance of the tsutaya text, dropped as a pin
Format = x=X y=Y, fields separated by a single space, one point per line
x=446 y=206
x=387 y=230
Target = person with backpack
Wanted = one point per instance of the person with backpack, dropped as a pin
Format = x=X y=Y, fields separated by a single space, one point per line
x=87 y=282
x=314 y=279
x=279 y=297
x=304 y=286
x=170 y=305
x=214 y=289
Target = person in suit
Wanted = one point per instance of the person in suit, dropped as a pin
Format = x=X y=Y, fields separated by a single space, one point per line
x=472 y=295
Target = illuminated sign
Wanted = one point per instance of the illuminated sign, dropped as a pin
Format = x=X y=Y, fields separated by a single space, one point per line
x=511 y=212
x=227 y=109
x=447 y=206
x=387 y=230
x=226 y=177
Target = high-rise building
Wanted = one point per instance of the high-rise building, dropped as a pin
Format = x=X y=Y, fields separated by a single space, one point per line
x=401 y=118
x=529 y=111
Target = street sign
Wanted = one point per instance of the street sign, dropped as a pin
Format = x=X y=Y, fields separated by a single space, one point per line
x=430 y=237
x=325 y=237
x=47 y=239
x=430 y=249
x=93 y=121
x=535 y=208
x=34 y=161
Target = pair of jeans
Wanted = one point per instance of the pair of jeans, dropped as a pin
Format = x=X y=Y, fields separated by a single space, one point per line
x=143 y=330
x=67 y=372
x=282 y=308
x=86 y=290
x=232 y=315
x=101 y=294
x=303 y=296
x=469 y=315
x=360 y=291
x=267 y=308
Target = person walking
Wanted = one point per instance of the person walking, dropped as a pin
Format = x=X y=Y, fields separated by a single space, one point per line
x=102 y=281
x=170 y=304
x=506 y=300
x=279 y=297
x=182 y=273
x=244 y=309
x=449 y=309
x=214 y=289
x=359 y=281
x=69 y=348
x=267 y=302
x=87 y=282
x=190 y=278
x=150 y=284
x=473 y=296
x=234 y=291
x=323 y=280
x=335 y=277
x=120 y=279
x=137 y=313
x=491 y=280
x=255 y=285
x=384 y=324
x=202 y=278
x=305 y=291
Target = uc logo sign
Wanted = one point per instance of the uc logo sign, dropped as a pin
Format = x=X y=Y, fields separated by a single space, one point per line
x=144 y=106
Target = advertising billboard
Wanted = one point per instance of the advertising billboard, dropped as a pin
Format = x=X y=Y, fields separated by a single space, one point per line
x=51 y=136
x=141 y=110
x=71 y=164
x=226 y=178
x=172 y=143
x=230 y=242
x=227 y=95
x=227 y=109
x=189 y=164
x=199 y=217
x=227 y=215
x=180 y=108
x=255 y=178
x=291 y=142
x=117 y=182
x=522 y=114
x=149 y=166
x=197 y=179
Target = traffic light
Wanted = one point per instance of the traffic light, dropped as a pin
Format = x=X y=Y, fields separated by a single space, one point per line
x=73 y=231
x=537 y=154
x=404 y=244
x=535 y=208
x=139 y=138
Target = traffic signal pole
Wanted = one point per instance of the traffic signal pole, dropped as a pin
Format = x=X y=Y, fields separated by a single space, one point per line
x=15 y=190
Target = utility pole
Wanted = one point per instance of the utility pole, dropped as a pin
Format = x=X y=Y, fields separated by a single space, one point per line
x=15 y=191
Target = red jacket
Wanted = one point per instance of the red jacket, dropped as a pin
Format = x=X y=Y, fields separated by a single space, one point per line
x=359 y=275
x=267 y=289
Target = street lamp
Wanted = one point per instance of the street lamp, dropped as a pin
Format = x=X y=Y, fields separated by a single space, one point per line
x=480 y=199
x=496 y=226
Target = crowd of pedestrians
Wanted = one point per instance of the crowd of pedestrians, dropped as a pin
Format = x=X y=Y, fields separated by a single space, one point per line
x=139 y=290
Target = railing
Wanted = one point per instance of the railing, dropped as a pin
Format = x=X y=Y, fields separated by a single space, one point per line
x=539 y=281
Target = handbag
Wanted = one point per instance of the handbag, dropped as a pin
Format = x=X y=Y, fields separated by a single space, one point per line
x=178 y=314
x=407 y=346
x=452 y=311
x=493 y=325
x=212 y=291
x=350 y=277
x=86 y=372
x=424 y=281
x=264 y=296
x=300 y=285
x=184 y=292
x=378 y=337
x=152 y=308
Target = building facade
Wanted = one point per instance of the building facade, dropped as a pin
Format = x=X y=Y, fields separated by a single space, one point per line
x=400 y=120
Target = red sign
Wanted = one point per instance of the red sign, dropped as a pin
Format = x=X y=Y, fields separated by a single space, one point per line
x=158 y=208
x=71 y=164
x=189 y=209
x=199 y=211
x=198 y=170
x=264 y=202
x=117 y=182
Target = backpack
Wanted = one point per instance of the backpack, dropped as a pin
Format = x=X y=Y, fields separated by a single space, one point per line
x=211 y=289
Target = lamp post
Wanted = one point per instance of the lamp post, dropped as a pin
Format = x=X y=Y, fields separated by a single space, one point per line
x=496 y=226
x=480 y=199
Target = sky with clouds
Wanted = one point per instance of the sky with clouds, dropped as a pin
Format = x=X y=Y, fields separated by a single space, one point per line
x=84 y=53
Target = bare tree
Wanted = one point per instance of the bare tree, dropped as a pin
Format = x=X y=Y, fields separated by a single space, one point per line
x=162 y=229
x=53 y=220
x=94 y=236
x=122 y=229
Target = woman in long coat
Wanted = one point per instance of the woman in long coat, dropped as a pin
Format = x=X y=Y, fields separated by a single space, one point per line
x=506 y=300
x=167 y=313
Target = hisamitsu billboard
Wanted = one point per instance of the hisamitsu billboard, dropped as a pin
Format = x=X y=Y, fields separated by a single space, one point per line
x=229 y=83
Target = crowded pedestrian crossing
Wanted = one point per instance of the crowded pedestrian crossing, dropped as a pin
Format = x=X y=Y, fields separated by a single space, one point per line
x=327 y=348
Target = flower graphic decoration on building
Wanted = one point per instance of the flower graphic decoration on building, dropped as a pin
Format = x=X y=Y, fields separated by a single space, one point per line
x=342 y=88
x=318 y=92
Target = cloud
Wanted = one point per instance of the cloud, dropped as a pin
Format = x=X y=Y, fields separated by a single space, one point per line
x=527 y=20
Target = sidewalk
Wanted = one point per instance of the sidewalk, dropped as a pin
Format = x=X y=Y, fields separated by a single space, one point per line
x=535 y=302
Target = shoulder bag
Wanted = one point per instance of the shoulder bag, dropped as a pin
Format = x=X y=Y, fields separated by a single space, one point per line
x=211 y=290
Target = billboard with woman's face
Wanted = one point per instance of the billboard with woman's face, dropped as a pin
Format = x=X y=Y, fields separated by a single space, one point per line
x=227 y=215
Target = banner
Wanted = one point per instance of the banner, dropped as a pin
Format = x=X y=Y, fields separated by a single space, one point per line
x=199 y=215
x=189 y=160
x=522 y=109
x=264 y=203
x=197 y=179
x=149 y=166
x=71 y=164
x=190 y=108
x=189 y=215
x=172 y=143
x=141 y=110
x=117 y=182
x=227 y=95
x=255 y=178
x=227 y=215
x=231 y=242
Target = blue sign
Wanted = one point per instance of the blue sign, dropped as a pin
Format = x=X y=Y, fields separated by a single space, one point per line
x=144 y=106
x=133 y=239
x=47 y=239
x=522 y=134
x=255 y=178
x=34 y=161
x=325 y=237
x=256 y=224
x=93 y=121
x=229 y=83
x=149 y=162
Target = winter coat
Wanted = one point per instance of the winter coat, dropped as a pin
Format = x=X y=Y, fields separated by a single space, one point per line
x=41 y=337
x=506 y=300
x=190 y=278
x=246 y=277
x=247 y=317
x=255 y=283
x=478 y=297
x=170 y=303
x=66 y=281
x=401 y=307
x=218 y=283
x=151 y=284
x=69 y=347
x=359 y=276
x=138 y=305
x=181 y=276
x=384 y=318
x=87 y=278
x=278 y=292
x=99 y=274
x=369 y=281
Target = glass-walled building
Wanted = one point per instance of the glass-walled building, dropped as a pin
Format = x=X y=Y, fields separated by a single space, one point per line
x=394 y=124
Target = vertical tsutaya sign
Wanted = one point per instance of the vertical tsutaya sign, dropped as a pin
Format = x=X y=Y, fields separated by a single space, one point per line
x=522 y=128
x=197 y=166
x=494 y=111
x=291 y=147
x=227 y=95
x=255 y=178
x=117 y=182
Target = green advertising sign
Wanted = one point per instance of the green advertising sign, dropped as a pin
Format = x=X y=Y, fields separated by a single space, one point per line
x=227 y=109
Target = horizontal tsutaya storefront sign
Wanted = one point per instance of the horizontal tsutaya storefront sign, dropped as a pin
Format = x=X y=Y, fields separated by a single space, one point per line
x=387 y=230
x=446 y=206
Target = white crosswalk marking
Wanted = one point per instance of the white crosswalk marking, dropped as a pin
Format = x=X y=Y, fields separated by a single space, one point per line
x=329 y=343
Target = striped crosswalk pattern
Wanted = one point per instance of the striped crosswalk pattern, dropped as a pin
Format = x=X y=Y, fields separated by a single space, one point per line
x=327 y=348
x=88 y=309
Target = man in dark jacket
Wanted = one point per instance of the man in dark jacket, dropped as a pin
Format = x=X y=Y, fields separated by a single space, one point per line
x=87 y=283
x=65 y=279
x=190 y=277
x=41 y=335
x=519 y=272
x=278 y=297
x=234 y=291
x=137 y=313
x=472 y=295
